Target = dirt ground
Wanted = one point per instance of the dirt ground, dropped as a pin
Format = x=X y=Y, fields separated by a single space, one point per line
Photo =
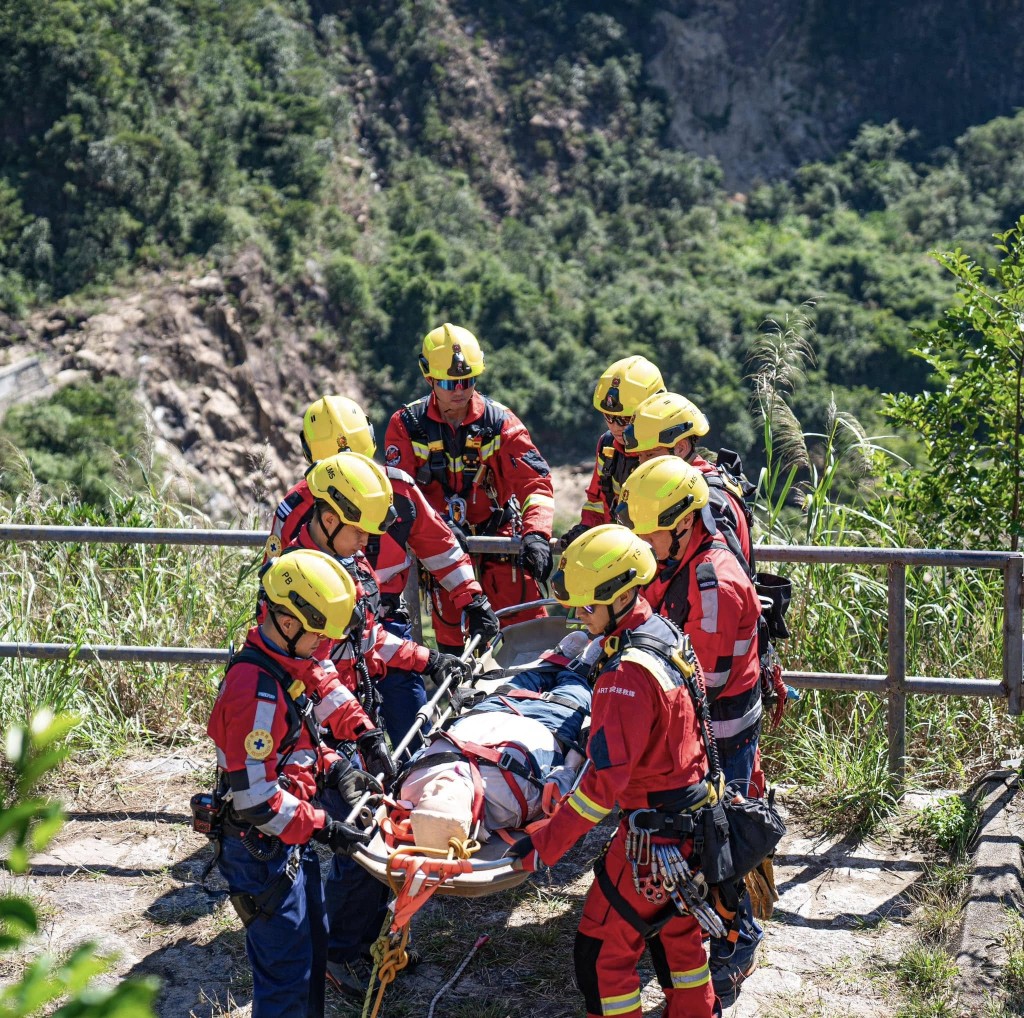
x=124 y=873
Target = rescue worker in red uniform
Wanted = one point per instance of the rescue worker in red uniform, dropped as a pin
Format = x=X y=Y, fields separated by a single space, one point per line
x=270 y=763
x=352 y=499
x=619 y=391
x=646 y=754
x=478 y=467
x=335 y=424
x=668 y=424
x=702 y=588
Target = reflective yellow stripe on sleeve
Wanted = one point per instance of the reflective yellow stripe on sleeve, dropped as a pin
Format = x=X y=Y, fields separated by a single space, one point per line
x=421 y=450
x=622 y=1004
x=593 y=507
x=587 y=808
x=544 y=501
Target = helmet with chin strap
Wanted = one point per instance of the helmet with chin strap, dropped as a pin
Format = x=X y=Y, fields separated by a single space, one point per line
x=662 y=421
x=355 y=489
x=601 y=565
x=313 y=588
x=451 y=352
x=625 y=385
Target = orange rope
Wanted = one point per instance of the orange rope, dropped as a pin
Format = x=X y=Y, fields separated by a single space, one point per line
x=424 y=871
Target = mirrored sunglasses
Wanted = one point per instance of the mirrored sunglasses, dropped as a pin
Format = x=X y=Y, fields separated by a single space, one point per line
x=451 y=384
x=619 y=422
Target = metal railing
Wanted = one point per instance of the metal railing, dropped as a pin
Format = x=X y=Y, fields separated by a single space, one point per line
x=895 y=684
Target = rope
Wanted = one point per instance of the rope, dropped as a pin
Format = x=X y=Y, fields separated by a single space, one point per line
x=425 y=870
x=480 y=941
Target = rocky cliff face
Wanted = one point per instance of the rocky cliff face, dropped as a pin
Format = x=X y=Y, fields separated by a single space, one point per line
x=766 y=85
x=221 y=366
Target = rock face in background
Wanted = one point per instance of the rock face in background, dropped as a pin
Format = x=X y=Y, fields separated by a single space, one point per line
x=766 y=85
x=221 y=373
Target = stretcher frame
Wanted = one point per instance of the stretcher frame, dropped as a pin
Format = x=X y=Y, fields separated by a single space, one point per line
x=516 y=647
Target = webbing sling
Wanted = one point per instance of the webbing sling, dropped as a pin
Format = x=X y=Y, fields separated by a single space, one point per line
x=647 y=928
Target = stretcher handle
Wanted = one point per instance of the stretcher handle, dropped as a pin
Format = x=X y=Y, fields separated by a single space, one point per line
x=512 y=609
x=423 y=715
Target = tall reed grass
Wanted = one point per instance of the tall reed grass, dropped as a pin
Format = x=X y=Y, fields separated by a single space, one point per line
x=840 y=487
x=152 y=595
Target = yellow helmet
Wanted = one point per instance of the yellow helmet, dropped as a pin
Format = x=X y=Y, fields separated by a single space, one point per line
x=600 y=565
x=660 y=493
x=663 y=421
x=451 y=351
x=313 y=587
x=355 y=488
x=335 y=424
x=626 y=384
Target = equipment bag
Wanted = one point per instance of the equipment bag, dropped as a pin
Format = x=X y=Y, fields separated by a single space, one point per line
x=755 y=828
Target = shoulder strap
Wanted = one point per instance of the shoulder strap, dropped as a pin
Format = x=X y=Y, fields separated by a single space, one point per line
x=295 y=698
x=683 y=661
x=723 y=510
x=677 y=593
x=413 y=415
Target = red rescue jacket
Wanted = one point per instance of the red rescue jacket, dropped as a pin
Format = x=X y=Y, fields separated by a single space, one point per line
x=418 y=529
x=446 y=462
x=644 y=742
x=267 y=760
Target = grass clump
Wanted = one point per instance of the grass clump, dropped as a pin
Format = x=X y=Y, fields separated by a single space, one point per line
x=926 y=976
x=1013 y=970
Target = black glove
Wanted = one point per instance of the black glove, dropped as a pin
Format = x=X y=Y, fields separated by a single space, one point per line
x=570 y=535
x=373 y=748
x=342 y=838
x=536 y=556
x=441 y=666
x=481 y=620
x=352 y=783
x=523 y=854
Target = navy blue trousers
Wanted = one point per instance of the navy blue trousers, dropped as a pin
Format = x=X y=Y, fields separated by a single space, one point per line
x=288 y=951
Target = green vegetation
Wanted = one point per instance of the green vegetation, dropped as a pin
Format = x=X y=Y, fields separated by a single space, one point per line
x=149 y=595
x=504 y=167
x=87 y=438
x=972 y=423
x=927 y=975
x=28 y=824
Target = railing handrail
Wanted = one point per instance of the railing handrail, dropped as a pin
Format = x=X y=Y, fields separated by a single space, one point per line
x=803 y=553
x=895 y=685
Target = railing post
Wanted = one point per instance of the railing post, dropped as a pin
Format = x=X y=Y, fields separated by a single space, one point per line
x=1013 y=638
x=897 y=672
x=412 y=600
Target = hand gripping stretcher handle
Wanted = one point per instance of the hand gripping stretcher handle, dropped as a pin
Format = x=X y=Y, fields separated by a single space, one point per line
x=423 y=715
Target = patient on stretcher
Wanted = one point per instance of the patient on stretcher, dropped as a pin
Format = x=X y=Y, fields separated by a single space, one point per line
x=493 y=763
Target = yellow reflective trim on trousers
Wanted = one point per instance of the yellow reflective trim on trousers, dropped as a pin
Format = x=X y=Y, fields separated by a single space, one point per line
x=622 y=1004
x=587 y=808
x=690 y=979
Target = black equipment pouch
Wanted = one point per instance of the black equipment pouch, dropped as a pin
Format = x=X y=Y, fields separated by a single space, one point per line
x=774 y=593
x=755 y=828
x=207 y=814
x=712 y=842
x=251 y=907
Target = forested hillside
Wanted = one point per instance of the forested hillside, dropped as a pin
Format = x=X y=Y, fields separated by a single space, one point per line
x=504 y=165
